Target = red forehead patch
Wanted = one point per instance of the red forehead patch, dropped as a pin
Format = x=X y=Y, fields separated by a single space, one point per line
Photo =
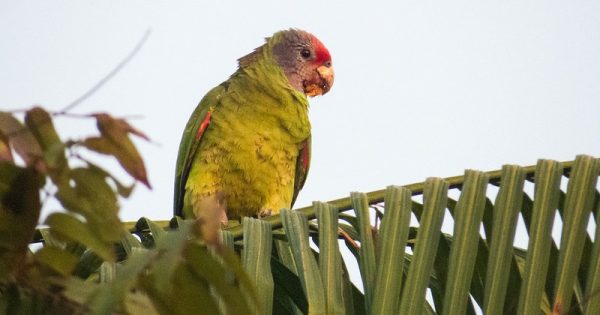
x=321 y=52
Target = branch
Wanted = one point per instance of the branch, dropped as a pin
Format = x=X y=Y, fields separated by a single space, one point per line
x=109 y=76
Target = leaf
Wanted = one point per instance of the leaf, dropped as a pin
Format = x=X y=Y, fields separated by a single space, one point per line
x=74 y=289
x=171 y=245
x=40 y=124
x=68 y=227
x=191 y=296
x=58 y=259
x=468 y=215
x=296 y=228
x=129 y=242
x=156 y=231
x=20 y=138
x=19 y=214
x=287 y=283
x=107 y=272
x=5 y=150
x=506 y=212
x=122 y=189
x=223 y=280
x=139 y=303
x=91 y=185
x=114 y=141
x=392 y=243
x=330 y=260
x=180 y=278
x=592 y=286
x=115 y=126
x=367 y=262
x=71 y=201
x=89 y=194
x=256 y=259
x=578 y=205
x=426 y=246
x=88 y=265
x=49 y=239
x=106 y=298
x=232 y=261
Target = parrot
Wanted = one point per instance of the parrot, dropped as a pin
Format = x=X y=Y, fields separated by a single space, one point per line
x=246 y=146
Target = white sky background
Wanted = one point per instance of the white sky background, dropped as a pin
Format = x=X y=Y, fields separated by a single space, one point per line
x=422 y=89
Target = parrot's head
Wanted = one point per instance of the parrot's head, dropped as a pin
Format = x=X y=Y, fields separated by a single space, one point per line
x=305 y=61
x=302 y=57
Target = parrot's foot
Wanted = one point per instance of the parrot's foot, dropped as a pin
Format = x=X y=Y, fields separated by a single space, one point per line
x=264 y=213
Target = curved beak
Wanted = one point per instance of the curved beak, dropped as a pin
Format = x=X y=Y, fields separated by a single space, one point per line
x=321 y=81
x=326 y=74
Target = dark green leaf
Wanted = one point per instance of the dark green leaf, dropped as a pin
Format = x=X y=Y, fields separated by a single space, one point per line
x=256 y=261
x=92 y=197
x=205 y=265
x=506 y=213
x=19 y=214
x=367 y=261
x=40 y=124
x=58 y=259
x=578 y=205
x=296 y=229
x=108 y=297
x=171 y=246
x=426 y=246
x=391 y=245
x=287 y=283
x=68 y=227
x=139 y=303
x=192 y=295
x=468 y=215
x=330 y=260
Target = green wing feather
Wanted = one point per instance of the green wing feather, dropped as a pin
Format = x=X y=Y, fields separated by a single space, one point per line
x=302 y=166
x=190 y=142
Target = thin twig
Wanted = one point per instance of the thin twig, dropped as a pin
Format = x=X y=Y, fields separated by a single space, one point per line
x=109 y=76
x=93 y=115
x=348 y=239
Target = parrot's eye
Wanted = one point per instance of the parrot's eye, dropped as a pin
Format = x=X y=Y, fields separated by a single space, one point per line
x=305 y=53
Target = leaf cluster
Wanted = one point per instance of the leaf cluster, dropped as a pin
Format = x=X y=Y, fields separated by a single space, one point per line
x=89 y=262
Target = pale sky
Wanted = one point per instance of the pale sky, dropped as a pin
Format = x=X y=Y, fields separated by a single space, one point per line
x=422 y=88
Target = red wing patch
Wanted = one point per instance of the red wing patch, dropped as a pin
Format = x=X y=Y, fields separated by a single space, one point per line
x=203 y=125
x=305 y=156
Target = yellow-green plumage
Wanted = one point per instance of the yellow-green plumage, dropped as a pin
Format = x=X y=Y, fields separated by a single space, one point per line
x=248 y=156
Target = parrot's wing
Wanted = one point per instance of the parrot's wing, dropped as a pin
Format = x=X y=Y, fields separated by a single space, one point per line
x=190 y=143
x=302 y=165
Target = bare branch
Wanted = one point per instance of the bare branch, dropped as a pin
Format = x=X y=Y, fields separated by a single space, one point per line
x=109 y=76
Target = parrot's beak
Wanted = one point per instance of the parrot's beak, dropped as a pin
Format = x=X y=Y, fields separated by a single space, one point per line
x=322 y=81
x=326 y=74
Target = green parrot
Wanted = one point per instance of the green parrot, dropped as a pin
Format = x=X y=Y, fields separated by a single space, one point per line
x=246 y=146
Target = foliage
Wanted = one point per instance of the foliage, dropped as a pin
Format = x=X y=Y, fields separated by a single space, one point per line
x=82 y=267
x=91 y=262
